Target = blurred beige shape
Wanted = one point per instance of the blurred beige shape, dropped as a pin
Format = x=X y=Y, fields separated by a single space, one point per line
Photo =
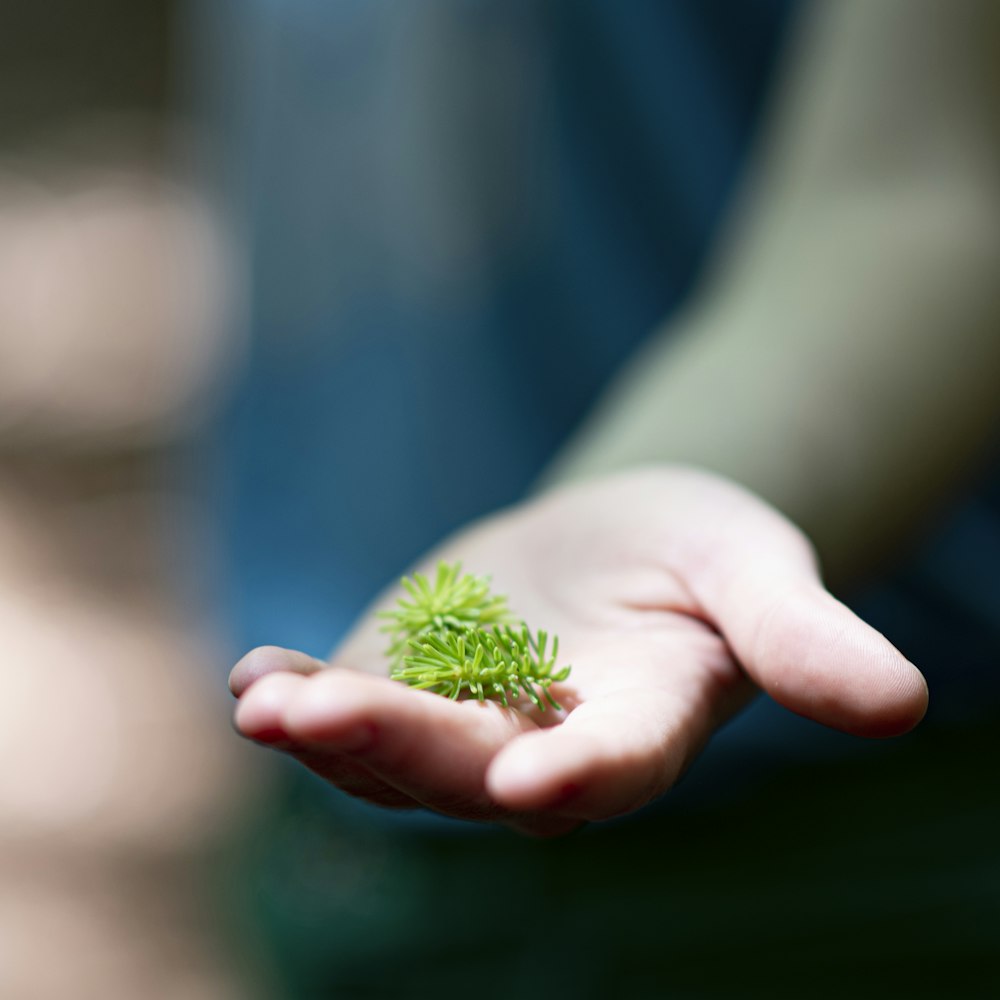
x=118 y=770
x=109 y=736
x=115 y=773
x=114 y=291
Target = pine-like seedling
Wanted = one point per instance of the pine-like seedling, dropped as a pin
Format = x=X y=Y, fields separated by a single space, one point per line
x=455 y=638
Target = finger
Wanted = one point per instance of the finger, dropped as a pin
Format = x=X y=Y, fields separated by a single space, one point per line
x=816 y=657
x=612 y=755
x=353 y=778
x=260 y=716
x=615 y=753
x=802 y=646
x=268 y=660
x=430 y=748
x=259 y=711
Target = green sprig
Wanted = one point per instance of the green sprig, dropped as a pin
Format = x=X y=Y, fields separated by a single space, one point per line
x=452 y=602
x=462 y=639
x=494 y=663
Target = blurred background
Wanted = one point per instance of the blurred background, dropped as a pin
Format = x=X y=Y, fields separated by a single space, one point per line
x=257 y=261
x=119 y=778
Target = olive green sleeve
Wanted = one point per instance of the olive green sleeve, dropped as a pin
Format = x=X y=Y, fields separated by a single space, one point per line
x=842 y=354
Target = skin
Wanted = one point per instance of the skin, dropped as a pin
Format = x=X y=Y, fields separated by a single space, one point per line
x=676 y=595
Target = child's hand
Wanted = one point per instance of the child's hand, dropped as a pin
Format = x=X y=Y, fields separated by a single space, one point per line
x=673 y=594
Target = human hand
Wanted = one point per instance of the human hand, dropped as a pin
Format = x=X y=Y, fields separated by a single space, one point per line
x=675 y=594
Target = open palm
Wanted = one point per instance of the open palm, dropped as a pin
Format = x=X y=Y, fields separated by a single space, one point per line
x=675 y=595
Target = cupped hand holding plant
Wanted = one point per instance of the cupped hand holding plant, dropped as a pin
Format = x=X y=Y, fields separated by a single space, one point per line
x=675 y=595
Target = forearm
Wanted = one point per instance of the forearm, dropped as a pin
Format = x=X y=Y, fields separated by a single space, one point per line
x=843 y=357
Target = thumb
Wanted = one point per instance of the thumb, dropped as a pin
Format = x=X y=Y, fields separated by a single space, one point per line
x=803 y=647
x=816 y=657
